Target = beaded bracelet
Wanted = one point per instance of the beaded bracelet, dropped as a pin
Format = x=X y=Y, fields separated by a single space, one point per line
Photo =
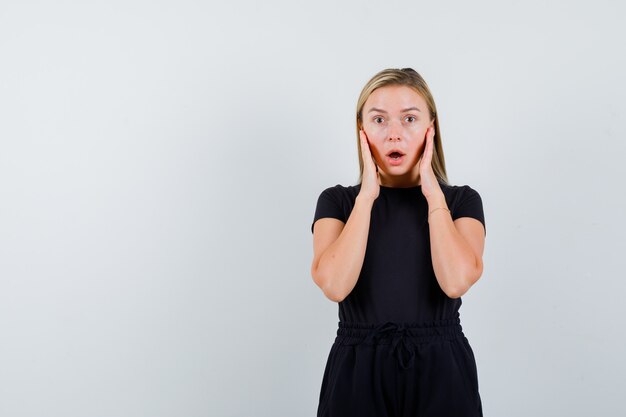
x=429 y=213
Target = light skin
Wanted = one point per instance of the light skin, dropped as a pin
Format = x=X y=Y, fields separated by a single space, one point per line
x=456 y=246
x=396 y=117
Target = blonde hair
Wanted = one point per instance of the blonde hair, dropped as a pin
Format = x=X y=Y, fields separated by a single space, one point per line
x=410 y=78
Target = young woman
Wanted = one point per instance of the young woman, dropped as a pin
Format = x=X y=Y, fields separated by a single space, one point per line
x=397 y=251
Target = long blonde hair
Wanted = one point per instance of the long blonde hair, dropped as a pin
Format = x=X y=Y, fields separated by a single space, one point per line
x=410 y=78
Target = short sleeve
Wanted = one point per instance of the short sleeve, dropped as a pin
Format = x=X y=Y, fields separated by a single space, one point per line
x=470 y=204
x=328 y=205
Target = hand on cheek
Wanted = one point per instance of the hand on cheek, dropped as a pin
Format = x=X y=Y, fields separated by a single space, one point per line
x=430 y=186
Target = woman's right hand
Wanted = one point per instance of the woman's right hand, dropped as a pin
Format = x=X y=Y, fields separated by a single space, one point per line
x=370 y=183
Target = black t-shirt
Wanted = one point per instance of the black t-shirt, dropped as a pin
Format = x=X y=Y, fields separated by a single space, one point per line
x=397 y=281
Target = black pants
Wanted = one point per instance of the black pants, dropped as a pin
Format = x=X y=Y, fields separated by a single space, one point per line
x=400 y=370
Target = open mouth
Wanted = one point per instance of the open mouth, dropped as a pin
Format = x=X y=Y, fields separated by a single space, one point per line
x=395 y=157
x=395 y=154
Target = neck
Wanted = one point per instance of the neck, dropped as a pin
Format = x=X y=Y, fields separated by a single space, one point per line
x=403 y=181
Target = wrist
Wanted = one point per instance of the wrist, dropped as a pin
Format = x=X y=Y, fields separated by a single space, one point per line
x=364 y=200
x=437 y=203
x=437 y=200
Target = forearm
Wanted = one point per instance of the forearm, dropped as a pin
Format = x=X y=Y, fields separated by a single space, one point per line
x=454 y=263
x=340 y=265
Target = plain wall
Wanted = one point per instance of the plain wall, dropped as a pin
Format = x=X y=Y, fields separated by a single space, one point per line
x=160 y=164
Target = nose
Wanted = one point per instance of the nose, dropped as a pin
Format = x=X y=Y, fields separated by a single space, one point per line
x=394 y=132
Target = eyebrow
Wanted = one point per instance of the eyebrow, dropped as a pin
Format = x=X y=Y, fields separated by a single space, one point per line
x=382 y=111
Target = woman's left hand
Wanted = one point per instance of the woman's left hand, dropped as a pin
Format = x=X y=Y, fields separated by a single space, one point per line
x=430 y=186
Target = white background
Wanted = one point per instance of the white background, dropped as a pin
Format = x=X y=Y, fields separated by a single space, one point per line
x=160 y=164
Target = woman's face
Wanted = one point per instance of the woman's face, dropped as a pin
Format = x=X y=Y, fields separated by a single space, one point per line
x=396 y=117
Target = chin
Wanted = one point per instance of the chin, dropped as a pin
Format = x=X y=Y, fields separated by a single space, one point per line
x=396 y=171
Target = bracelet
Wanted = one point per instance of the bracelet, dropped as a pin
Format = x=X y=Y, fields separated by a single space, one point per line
x=429 y=213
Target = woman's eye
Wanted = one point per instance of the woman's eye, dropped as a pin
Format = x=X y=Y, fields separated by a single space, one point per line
x=412 y=118
x=376 y=119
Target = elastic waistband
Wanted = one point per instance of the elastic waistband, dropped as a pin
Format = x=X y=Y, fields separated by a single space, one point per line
x=380 y=333
x=403 y=337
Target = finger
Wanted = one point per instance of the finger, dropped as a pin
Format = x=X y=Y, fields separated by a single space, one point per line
x=363 y=139
x=365 y=145
x=427 y=149
x=430 y=145
x=424 y=155
x=364 y=136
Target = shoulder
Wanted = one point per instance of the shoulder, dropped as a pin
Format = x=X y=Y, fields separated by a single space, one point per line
x=341 y=192
x=464 y=201
x=335 y=201
x=456 y=192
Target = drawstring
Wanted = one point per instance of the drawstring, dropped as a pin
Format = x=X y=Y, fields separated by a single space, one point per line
x=399 y=331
